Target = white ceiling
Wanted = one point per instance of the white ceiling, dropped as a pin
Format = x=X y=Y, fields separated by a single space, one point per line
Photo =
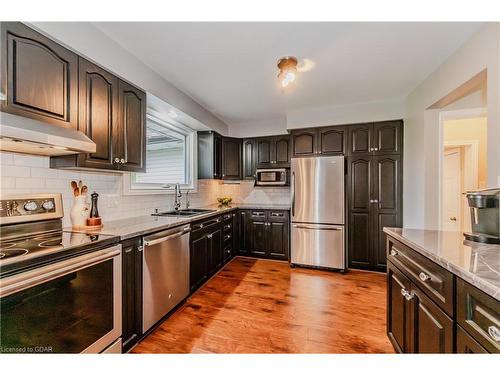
x=230 y=68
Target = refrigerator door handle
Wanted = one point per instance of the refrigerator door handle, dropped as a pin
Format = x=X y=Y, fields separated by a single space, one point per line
x=315 y=227
x=293 y=194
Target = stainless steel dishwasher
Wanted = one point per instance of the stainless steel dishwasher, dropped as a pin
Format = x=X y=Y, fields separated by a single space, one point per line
x=165 y=273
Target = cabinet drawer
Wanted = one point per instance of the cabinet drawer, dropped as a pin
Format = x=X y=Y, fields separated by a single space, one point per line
x=278 y=216
x=433 y=279
x=227 y=217
x=205 y=224
x=255 y=214
x=466 y=344
x=228 y=237
x=227 y=226
x=479 y=315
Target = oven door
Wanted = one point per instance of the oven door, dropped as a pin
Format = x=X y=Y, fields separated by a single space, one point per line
x=70 y=306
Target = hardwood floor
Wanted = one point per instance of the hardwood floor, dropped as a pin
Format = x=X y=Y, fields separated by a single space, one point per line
x=262 y=306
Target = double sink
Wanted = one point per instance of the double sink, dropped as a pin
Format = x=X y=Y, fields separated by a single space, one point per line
x=184 y=212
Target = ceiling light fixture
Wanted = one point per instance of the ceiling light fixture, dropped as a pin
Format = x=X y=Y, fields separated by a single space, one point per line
x=288 y=70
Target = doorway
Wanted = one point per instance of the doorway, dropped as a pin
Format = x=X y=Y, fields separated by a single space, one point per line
x=463 y=165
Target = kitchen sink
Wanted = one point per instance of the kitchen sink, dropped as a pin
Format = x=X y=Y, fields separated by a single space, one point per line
x=185 y=212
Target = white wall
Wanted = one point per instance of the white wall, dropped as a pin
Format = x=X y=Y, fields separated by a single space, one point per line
x=259 y=128
x=87 y=40
x=390 y=109
x=421 y=131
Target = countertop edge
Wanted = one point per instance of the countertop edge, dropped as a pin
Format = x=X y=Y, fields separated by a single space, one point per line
x=474 y=280
x=183 y=221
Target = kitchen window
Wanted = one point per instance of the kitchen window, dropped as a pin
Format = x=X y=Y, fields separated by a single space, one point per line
x=170 y=157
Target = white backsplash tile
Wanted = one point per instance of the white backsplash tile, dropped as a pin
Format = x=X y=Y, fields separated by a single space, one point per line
x=21 y=174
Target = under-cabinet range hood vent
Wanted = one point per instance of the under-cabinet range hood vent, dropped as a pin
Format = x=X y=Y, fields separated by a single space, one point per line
x=27 y=136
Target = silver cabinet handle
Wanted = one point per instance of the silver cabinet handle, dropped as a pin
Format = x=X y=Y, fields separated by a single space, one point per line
x=423 y=276
x=209 y=236
x=116 y=160
x=122 y=160
x=373 y=201
x=407 y=295
x=494 y=333
x=394 y=252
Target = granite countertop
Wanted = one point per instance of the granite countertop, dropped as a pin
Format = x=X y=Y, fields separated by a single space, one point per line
x=476 y=263
x=145 y=224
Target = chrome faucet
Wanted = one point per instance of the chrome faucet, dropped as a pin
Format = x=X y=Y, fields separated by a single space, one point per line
x=178 y=195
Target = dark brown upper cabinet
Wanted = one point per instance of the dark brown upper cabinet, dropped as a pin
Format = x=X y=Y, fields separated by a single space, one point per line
x=249 y=158
x=325 y=141
x=231 y=158
x=39 y=78
x=130 y=142
x=263 y=152
x=387 y=137
x=99 y=114
x=332 y=140
x=113 y=114
x=304 y=142
x=360 y=139
x=273 y=151
x=376 y=138
x=209 y=155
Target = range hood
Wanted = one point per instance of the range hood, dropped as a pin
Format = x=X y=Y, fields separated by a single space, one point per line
x=27 y=136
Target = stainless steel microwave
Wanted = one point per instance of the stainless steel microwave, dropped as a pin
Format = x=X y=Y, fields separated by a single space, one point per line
x=271 y=177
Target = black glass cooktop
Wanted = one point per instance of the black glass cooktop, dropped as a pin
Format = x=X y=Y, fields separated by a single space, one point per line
x=29 y=251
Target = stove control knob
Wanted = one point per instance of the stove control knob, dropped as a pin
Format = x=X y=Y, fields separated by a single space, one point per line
x=30 y=206
x=48 y=205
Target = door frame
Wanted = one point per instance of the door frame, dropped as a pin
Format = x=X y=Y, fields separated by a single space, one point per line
x=472 y=153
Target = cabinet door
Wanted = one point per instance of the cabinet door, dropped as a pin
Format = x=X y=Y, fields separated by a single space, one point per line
x=277 y=240
x=264 y=159
x=39 y=77
x=258 y=232
x=304 y=142
x=98 y=113
x=398 y=309
x=249 y=159
x=130 y=137
x=198 y=261
x=282 y=151
x=131 y=293
x=359 y=193
x=388 y=137
x=231 y=158
x=332 y=140
x=431 y=328
x=244 y=232
x=466 y=344
x=360 y=139
x=216 y=252
x=217 y=155
x=387 y=205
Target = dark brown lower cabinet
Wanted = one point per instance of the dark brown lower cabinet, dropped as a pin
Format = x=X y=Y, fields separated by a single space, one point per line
x=374 y=201
x=198 y=259
x=431 y=330
x=265 y=234
x=415 y=324
x=433 y=310
x=466 y=344
x=398 y=309
x=131 y=293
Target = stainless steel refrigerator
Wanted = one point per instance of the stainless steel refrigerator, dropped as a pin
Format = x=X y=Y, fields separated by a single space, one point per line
x=318 y=232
